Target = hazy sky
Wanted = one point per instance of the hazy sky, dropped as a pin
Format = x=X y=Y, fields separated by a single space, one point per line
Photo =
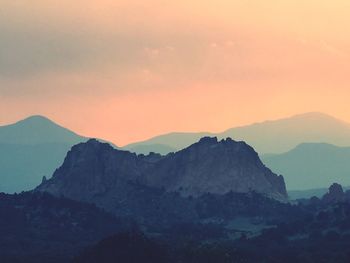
x=128 y=70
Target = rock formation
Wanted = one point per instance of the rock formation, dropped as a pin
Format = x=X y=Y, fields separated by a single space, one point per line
x=335 y=194
x=92 y=169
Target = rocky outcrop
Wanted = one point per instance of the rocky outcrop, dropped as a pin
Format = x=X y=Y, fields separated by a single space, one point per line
x=335 y=194
x=91 y=169
x=212 y=166
x=94 y=169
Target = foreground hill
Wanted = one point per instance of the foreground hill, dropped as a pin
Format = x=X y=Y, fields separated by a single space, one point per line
x=37 y=227
x=30 y=149
x=312 y=165
x=267 y=137
x=318 y=232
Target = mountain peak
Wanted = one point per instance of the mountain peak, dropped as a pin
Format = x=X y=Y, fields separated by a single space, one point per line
x=95 y=145
x=37 y=129
x=272 y=136
x=335 y=194
x=208 y=140
x=313 y=118
x=36 y=120
x=315 y=115
x=314 y=145
x=93 y=141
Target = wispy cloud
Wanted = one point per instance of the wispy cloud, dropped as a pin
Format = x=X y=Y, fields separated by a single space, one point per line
x=333 y=50
x=87 y=52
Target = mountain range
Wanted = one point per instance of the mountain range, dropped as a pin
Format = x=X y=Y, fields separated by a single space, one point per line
x=212 y=201
x=267 y=137
x=309 y=149
x=305 y=194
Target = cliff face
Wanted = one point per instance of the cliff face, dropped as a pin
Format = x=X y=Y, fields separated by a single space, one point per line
x=95 y=170
x=91 y=169
x=209 y=166
x=335 y=194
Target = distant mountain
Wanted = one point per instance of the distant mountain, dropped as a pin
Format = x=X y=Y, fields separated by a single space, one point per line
x=270 y=136
x=312 y=165
x=305 y=194
x=30 y=149
x=166 y=143
x=37 y=130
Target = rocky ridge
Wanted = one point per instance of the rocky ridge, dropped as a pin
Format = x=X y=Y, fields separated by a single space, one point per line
x=208 y=166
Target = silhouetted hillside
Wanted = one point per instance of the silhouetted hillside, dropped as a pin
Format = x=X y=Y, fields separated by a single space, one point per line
x=317 y=232
x=270 y=136
x=37 y=227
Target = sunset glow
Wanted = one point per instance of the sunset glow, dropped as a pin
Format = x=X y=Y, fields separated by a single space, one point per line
x=129 y=70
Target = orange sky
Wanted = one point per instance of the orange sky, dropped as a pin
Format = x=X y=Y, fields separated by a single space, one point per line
x=129 y=70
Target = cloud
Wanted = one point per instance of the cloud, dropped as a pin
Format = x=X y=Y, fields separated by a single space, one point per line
x=26 y=53
x=333 y=50
x=48 y=37
x=53 y=51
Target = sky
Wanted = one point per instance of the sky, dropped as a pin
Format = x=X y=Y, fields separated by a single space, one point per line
x=129 y=70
